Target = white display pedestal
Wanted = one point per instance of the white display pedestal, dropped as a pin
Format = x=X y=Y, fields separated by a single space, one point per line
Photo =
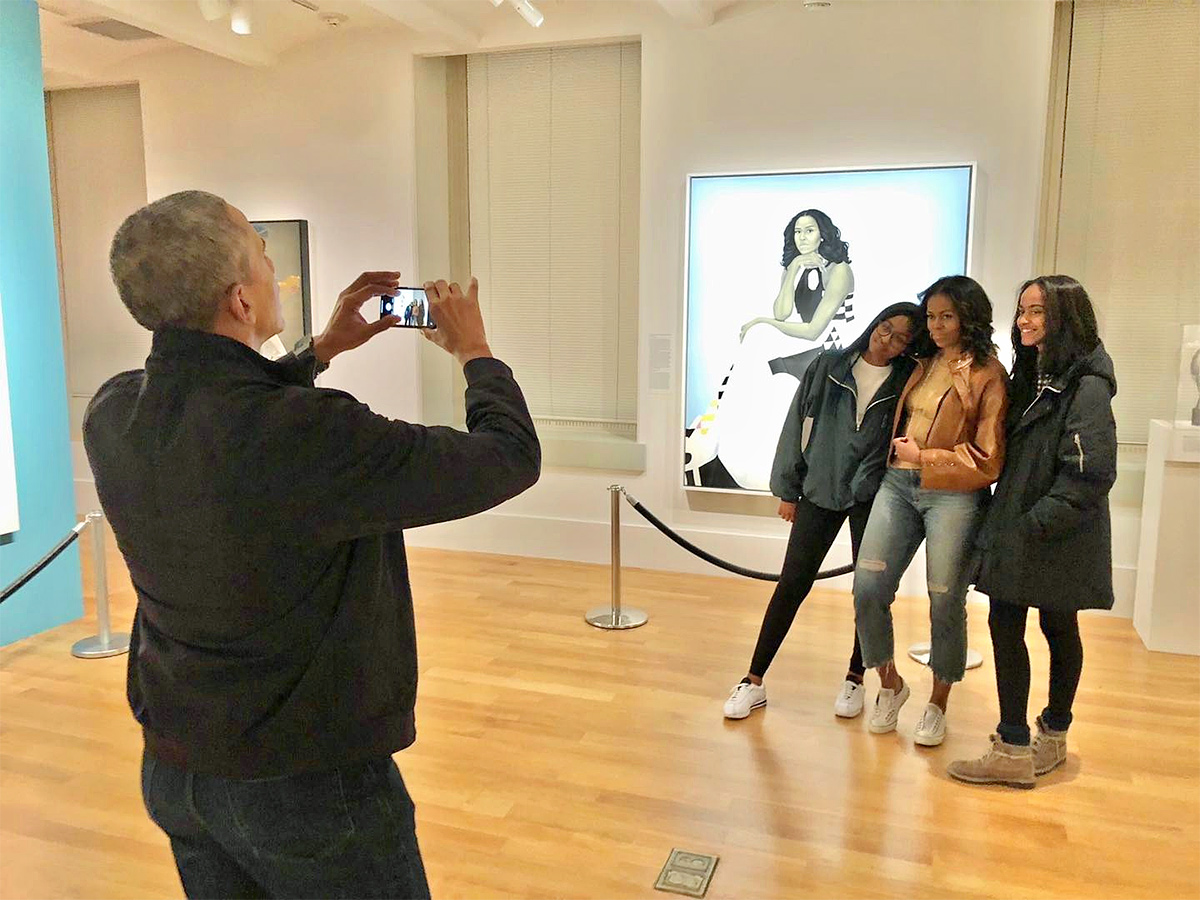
x=1166 y=606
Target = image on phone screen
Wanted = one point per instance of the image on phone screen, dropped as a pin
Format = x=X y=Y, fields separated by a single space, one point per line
x=411 y=305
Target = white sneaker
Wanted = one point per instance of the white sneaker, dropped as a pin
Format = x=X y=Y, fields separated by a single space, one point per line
x=746 y=698
x=887 y=709
x=931 y=727
x=849 y=701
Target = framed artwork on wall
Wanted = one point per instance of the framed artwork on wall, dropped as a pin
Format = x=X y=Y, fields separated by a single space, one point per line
x=782 y=265
x=10 y=519
x=287 y=245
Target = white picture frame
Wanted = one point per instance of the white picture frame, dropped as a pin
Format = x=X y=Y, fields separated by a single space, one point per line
x=905 y=226
x=10 y=516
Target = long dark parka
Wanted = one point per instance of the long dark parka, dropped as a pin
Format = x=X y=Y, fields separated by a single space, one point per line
x=1047 y=538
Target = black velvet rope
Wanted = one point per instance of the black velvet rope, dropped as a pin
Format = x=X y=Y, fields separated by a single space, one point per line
x=720 y=563
x=40 y=564
x=645 y=513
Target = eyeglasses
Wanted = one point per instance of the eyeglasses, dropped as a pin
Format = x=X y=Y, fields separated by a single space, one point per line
x=887 y=332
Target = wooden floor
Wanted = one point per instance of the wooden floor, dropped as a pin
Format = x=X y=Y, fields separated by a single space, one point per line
x=556 y=760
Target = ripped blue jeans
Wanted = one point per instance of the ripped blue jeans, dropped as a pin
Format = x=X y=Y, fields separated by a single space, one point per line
x=902 y=516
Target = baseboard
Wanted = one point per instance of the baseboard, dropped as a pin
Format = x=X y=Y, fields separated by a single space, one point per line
x=643 y=547
x=1124 y=589
x=86 y=498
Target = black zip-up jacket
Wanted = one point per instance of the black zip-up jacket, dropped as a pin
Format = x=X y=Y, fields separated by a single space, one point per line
x=823 y=455
x=1047 y=538
x=261 y=519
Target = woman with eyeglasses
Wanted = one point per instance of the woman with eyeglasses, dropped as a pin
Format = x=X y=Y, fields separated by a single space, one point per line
x=827 y=467
x=1047 y=540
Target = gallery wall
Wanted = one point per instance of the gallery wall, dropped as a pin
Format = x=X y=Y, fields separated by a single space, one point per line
x=33 y=347
x=857 y=84
x=328 y=135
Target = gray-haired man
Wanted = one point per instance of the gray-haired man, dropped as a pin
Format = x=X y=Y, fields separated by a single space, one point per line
x=273 y=658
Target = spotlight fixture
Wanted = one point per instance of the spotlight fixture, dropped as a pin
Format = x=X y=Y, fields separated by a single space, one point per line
x=528 y=12
x=239 y=18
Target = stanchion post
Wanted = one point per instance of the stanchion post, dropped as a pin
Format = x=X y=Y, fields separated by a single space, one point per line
x=614 y=617
x=105 y=643
x=614 y=553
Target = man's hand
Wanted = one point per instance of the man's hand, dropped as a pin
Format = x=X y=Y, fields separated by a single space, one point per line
x=347 y=328
x=459 y=322
x=787 y=511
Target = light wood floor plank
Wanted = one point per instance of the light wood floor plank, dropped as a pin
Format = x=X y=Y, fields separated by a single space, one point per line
x=557 y=760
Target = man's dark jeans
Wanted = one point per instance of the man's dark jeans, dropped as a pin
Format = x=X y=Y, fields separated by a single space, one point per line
x=344 y=832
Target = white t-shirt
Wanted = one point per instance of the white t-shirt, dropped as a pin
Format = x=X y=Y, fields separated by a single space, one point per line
x=867 y=380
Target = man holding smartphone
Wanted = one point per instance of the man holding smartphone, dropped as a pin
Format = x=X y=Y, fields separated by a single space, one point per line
x=272 y=662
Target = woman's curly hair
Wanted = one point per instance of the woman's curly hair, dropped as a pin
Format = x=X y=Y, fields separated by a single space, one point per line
x=974 y=316
x=833 y=249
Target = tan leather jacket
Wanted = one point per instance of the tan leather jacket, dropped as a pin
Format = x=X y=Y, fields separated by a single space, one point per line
x=965 y=447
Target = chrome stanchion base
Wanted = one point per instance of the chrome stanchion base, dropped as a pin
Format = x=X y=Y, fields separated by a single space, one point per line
x=920 y=652
x=95 y=648
x=602 y=617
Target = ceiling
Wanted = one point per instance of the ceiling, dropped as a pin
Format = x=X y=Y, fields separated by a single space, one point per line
x=72 y=54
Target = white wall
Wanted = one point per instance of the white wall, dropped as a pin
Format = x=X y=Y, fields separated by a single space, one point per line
x=328 y=136
x=885 y=83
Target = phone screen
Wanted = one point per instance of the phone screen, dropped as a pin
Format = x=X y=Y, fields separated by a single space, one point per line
x=411 y=305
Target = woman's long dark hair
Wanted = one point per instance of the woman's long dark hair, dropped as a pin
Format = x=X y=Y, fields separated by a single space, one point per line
x=832 y=249
x=974 y=317
x=1071 y=329
x=860 y=343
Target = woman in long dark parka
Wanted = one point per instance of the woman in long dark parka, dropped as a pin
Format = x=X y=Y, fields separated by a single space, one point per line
x=1047 y=540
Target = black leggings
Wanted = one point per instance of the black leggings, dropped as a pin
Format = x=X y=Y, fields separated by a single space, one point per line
x=1007 y=624
x=813 y=533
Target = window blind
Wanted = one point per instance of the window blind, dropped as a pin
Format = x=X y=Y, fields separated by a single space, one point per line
x=553 y=153
x=1128 y=224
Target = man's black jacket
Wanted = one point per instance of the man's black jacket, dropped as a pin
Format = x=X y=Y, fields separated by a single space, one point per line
x=261 y=520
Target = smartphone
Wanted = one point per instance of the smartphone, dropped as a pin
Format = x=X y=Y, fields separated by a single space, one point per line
x=411 y=305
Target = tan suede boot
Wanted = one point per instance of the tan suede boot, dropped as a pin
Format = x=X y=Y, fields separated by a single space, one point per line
x=1049 y=749
x=1004 y=763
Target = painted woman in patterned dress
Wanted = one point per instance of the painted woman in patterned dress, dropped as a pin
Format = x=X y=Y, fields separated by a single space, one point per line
x=733 y=446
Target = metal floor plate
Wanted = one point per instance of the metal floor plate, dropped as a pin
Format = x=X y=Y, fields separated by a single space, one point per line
x=687 y=873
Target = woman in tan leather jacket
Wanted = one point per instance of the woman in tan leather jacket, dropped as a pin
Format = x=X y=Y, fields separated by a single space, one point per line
x=947 y=448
